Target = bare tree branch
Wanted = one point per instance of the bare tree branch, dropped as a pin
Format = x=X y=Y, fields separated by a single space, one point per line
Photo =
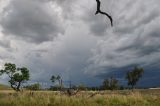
x=101 y=12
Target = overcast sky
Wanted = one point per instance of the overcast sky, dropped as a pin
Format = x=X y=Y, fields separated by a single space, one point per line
x=65 y=37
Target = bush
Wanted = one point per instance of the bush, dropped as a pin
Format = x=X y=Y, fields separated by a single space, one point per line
x=35 y=86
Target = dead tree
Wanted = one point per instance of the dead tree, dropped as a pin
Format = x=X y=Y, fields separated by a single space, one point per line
x=101 y=12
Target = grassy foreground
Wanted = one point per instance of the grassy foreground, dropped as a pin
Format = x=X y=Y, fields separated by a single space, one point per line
x=106 y=98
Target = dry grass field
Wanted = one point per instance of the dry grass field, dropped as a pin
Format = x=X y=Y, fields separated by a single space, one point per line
x=83 y=98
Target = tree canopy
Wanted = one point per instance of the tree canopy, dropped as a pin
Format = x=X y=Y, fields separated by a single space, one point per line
x=134 y=75
x=110 y=83
x=16 y=75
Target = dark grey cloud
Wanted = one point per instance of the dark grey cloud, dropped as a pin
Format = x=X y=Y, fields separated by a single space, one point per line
x=77 y=53
x=31 y=21
x=66 y=56
x=134 y=40
x=98 y=24
x=146 y=80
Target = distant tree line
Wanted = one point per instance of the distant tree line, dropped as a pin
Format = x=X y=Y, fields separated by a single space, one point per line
x=17 y=76
x=35 y=86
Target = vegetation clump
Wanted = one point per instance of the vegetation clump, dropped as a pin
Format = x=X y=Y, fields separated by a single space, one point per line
x=16 y=75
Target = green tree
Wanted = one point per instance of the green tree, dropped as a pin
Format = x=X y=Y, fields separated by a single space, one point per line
x=111 y=83
x=105 y=84
x=134 y=75
x=16 y=75
x=57 y=78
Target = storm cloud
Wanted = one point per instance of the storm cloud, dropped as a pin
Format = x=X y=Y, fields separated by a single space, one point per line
x=134 y=41
x=31 y=21
x=65 y=37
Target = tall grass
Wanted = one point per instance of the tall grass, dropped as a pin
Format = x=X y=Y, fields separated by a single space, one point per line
x=47 y=98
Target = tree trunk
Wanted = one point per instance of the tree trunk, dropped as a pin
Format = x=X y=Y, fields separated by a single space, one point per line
x=13 y=87
x=132 y=87
x=18 y=86
x=60 y=87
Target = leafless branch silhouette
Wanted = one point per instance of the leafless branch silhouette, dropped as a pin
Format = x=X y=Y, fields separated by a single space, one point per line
x=101 y=12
